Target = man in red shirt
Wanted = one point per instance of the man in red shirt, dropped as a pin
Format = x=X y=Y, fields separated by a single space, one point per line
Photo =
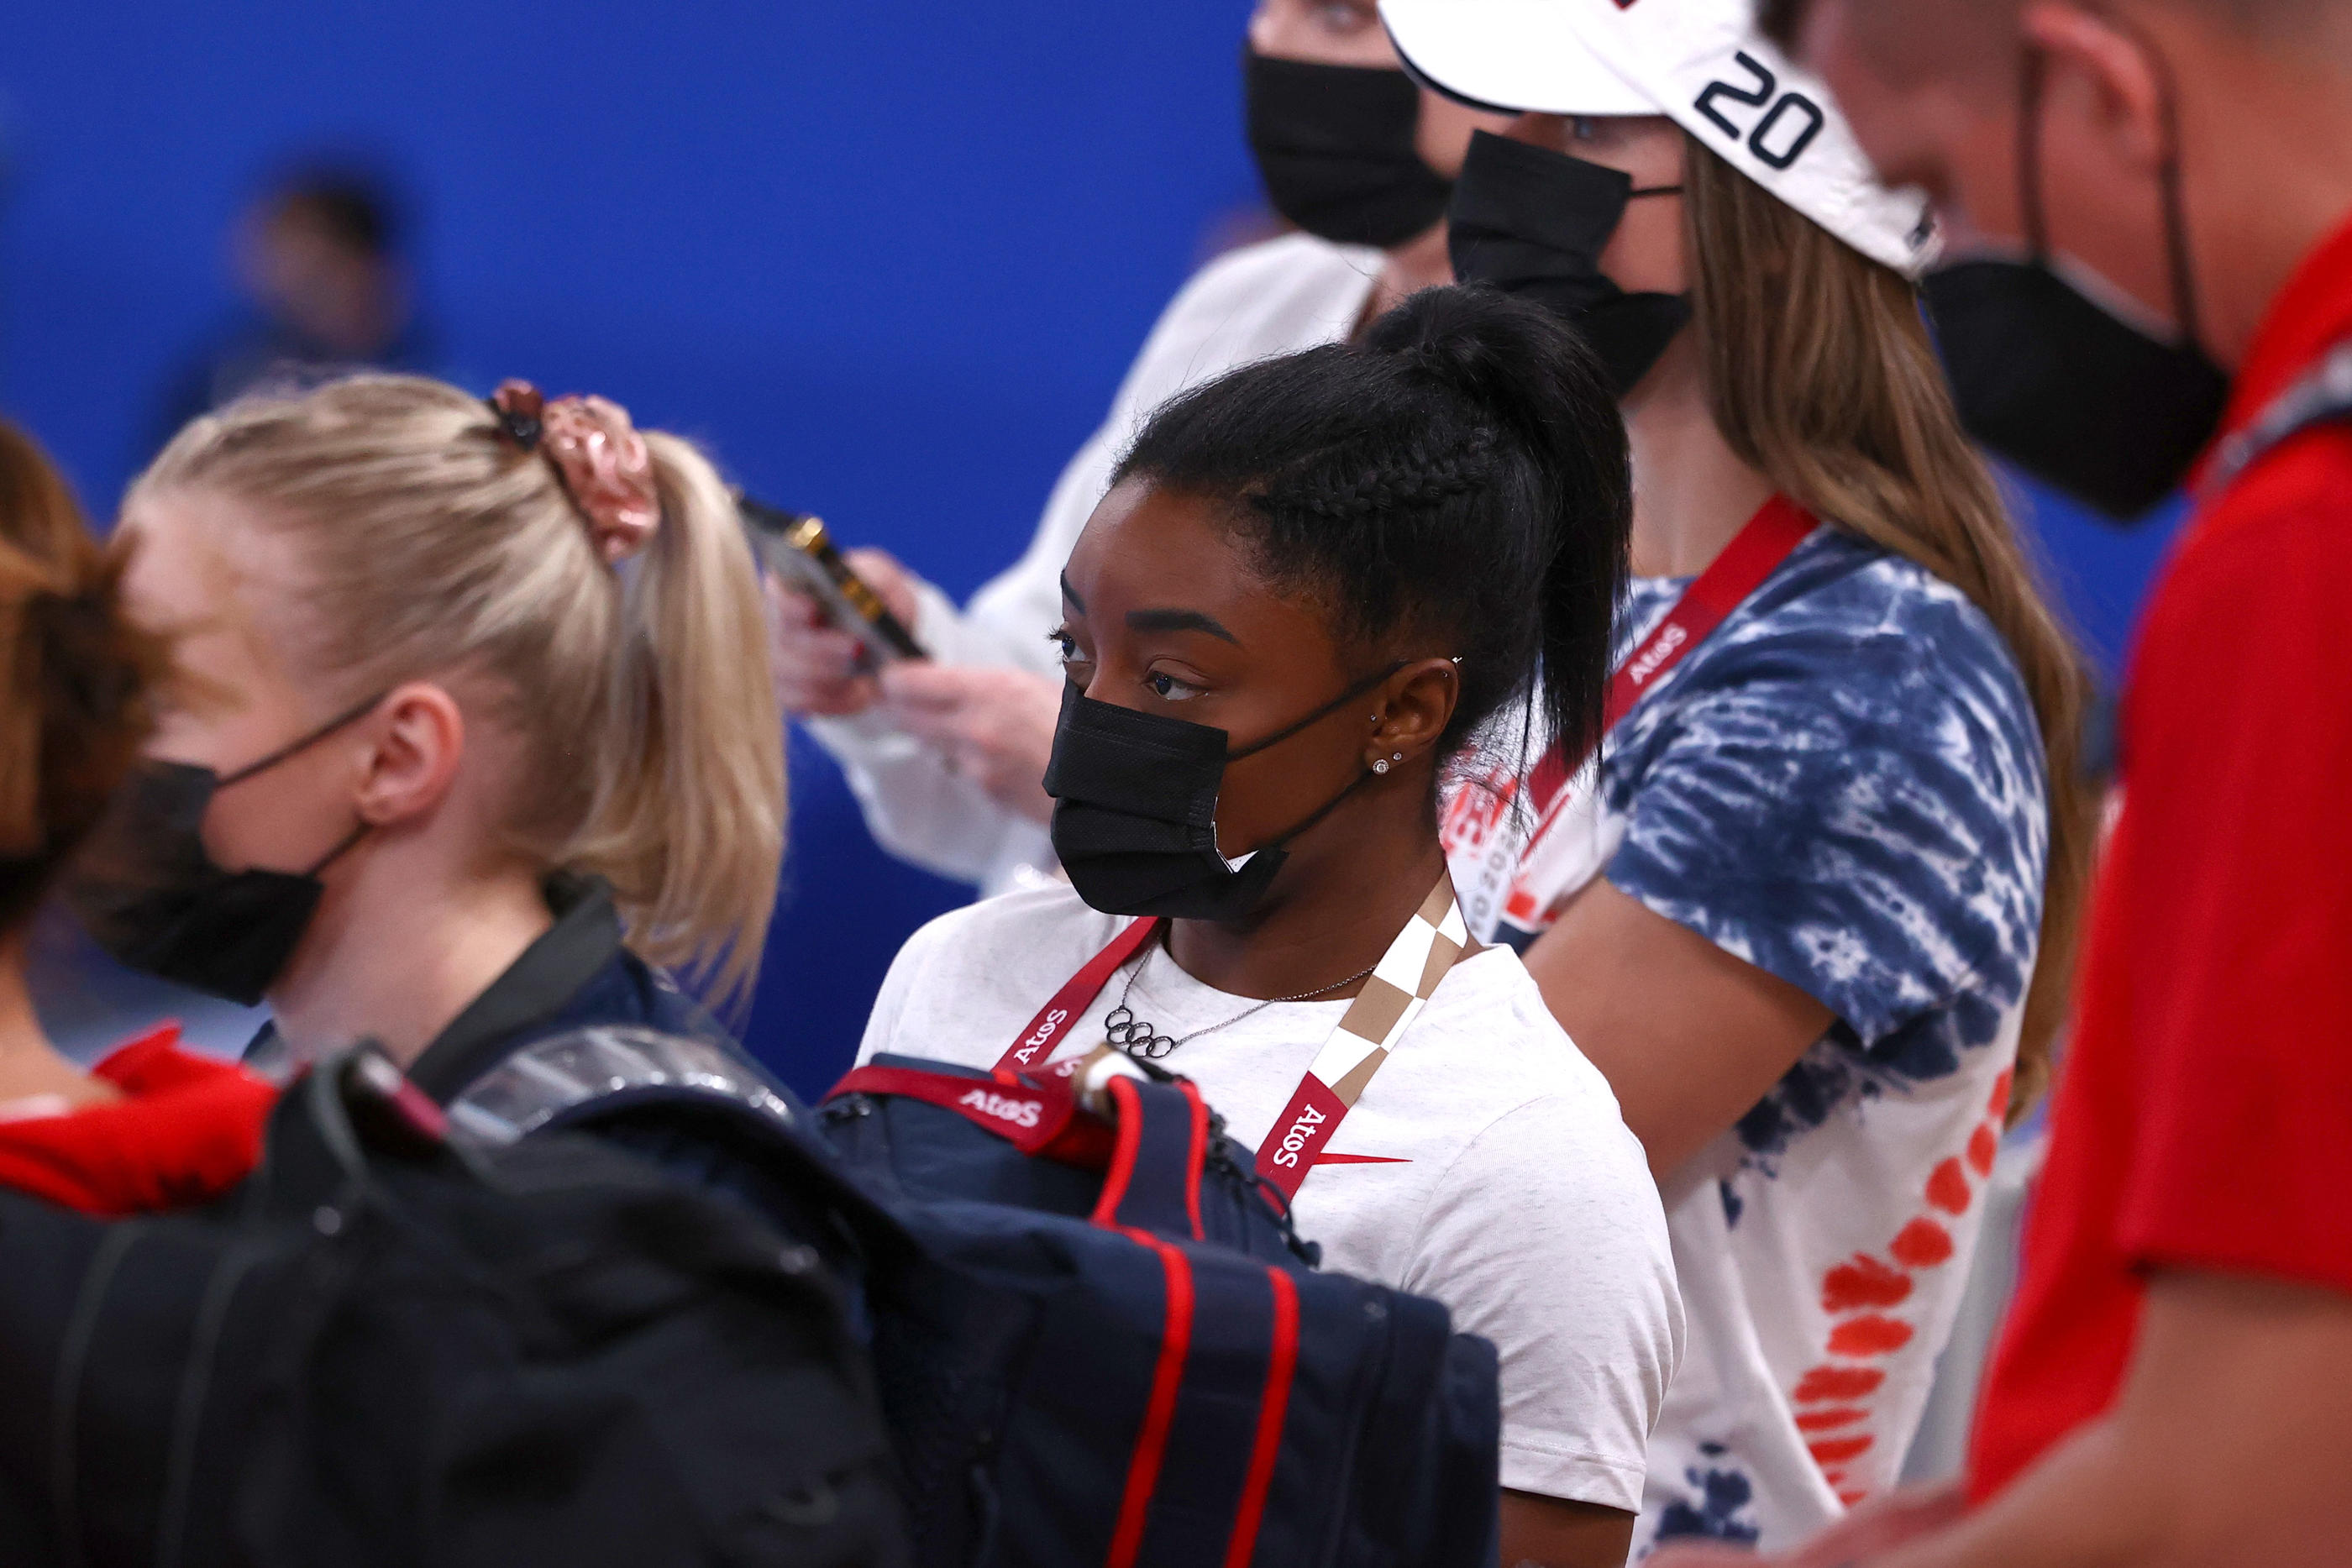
x=2175 y=1383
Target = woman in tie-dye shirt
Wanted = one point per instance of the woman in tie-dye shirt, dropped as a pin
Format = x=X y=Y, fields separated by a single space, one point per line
x=1812 y=918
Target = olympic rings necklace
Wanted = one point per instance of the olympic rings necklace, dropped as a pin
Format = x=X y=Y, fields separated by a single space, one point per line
x=1123 y=1029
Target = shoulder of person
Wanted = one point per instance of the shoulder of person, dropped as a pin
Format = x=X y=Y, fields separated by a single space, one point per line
x=1842 y=586
x=1265 y=299
x=2271 y=553
x=1545 y=1132
x=1870 y=624
x=1489 y=1009
x=1025 y=927
x=1293 y=264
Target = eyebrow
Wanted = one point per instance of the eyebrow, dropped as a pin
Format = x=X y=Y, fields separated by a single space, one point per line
x=1179 y=620
x=1071 y=594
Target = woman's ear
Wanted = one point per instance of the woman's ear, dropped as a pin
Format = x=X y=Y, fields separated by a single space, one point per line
x=1413 y=708
x=420 y=739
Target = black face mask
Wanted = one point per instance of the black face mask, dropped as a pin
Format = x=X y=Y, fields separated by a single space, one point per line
x=1335 y=145
x=2044 y=376
x=147 y=891
x=1135 y=811
x=1533 y=223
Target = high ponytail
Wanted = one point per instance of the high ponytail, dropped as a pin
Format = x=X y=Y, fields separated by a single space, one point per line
x=76 y=676
x=688 y=818
x=433 y=544
x=1550 y=395
x=1416 y=484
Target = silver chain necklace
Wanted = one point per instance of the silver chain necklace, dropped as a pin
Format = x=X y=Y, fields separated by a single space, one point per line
x=1133 y=1035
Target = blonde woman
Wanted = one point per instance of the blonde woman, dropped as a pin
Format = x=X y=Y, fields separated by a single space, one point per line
x=485 y=732
x=1813 y=914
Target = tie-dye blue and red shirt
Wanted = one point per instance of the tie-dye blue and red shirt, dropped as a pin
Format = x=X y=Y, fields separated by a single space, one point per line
x=1844 y=786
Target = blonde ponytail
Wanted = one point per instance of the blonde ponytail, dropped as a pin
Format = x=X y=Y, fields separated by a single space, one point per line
x=1822 y=376
x=430 y=543
x=687 y=816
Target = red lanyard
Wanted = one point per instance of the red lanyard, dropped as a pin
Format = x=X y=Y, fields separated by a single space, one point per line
x=1038 y=1042
x=1755 y=553
x=1417 y=960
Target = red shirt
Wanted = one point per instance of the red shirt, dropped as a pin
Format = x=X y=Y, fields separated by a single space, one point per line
x=187 y=1129
x=2204 y=1119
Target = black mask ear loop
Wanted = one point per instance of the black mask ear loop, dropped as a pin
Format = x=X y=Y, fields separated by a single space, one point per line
x=1635 y=192
x=2176 y=202
x=2181 y=267
x=1318 y=716
x=2028 y=152
x=297 y=746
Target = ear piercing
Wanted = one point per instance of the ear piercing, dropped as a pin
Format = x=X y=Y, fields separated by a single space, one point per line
x=1380 y=765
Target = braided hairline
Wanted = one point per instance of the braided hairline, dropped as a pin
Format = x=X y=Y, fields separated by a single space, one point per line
x=1416 y=479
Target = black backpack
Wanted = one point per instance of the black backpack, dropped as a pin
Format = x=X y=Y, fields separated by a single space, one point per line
x=389 y=1348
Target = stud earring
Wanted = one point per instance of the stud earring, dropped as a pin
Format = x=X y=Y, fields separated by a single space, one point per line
x=1380 y=766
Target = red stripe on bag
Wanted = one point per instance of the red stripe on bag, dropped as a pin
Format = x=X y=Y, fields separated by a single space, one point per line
x=1273 y=1406
x=1196 y=1156
x=1167 y=1382
x=1122 y=1158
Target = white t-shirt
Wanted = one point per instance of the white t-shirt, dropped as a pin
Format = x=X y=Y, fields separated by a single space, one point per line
x=1842 y=786
x=1276 y=297
x=1493 y=1172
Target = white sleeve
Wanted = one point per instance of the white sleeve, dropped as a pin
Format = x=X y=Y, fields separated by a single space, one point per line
x=1546 y=1236
x=914 y=807
x=1007 y=620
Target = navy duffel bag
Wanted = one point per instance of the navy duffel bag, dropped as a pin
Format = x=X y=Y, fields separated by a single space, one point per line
x=1122 y=1357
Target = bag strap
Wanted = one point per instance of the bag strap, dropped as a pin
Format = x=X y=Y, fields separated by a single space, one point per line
x=1036 y=1113
x=66 y=1389
x=570 y=1080
x=194 y=1394
x=592 y=1071
x=1152 y=1158
x=2322 y=396
x=1154 y=1181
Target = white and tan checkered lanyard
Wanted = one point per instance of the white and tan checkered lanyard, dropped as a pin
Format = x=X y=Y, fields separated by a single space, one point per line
x=1432 y=943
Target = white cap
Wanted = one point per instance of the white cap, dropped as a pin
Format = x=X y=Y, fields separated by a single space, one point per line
x=1699 y=61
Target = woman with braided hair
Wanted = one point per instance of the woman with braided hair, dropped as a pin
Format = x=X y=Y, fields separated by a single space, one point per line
x=1812 y=910
x=944 y=754
x=1312 y=582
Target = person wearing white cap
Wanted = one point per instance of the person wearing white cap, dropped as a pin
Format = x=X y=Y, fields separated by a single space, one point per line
x=945 y=756
x=1811 y=912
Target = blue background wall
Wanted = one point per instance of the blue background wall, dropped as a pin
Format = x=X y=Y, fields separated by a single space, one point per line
x=889 y=260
